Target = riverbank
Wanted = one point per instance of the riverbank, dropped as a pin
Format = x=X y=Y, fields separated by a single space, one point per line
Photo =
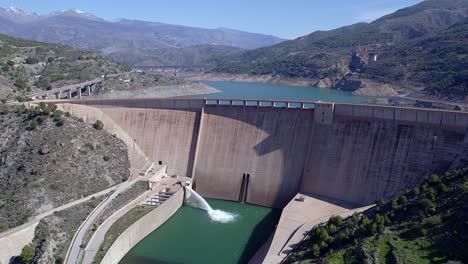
x=360 y=87
x=383 y=93
x=161 y=91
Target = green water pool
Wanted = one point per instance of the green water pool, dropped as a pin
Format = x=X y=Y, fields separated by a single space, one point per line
x=190 y=236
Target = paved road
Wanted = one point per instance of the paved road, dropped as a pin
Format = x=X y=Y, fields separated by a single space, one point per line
x=60 y=208
x=98 y=237
x=75 y=249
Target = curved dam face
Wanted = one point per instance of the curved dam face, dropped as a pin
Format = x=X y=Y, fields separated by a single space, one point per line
x=266 y=154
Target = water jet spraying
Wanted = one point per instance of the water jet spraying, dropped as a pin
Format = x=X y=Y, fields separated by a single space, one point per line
x=193 y=199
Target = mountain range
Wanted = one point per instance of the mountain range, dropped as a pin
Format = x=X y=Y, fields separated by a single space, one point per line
x=133 y=42
x=422 y=45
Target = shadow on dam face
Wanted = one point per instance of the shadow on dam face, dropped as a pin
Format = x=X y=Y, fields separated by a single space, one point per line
x=345 y=153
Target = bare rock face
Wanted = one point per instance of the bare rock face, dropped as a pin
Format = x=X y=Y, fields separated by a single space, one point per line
x=357 y=62
x=375 y=89
x=324 y=83
x=348 y=84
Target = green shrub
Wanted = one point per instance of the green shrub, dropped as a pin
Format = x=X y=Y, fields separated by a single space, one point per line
x=416 y=191
x=336 y=220
x=423 y=231
x=27 y=254
x=331 y=228
x=41 y=119
x=10 y=63
x=431 y=194
x=106 y=158
x=442 y=188
x=434 y=178
x=380 y=202
x=402 y=199
x=394 y=204
x=32 y=124
x=373 y=228
x=98 y=125
x=432 y=221
x=426 y=204
x=378 y=218
x=21 y=83
x=387 y=220
x=57 y=113
x=31 y=60
x=315 y=250
x=59 y=121
x=3 y=227
x=424 y=186
x=345 y=235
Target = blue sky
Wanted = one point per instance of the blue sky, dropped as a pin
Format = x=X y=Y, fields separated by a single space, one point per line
x=283 y=18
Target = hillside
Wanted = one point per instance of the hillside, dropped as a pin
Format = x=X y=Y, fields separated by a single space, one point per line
x=49 y=159
x=26 y=66
x=198 y=55
x=428 y=224
x=378 y=51
x=133 y=42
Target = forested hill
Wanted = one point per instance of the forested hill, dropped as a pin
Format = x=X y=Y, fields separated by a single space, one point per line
x=420 y=45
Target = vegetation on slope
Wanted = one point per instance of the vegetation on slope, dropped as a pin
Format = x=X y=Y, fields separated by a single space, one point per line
x=27 y=66
x=49 y=159
x=425 y=225
x=439 y=60
x=118 y=228
x=414 y=46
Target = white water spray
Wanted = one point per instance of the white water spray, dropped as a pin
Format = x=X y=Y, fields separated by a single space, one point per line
x=193 y=199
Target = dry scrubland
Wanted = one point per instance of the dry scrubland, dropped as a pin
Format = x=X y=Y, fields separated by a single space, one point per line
x=51 y=159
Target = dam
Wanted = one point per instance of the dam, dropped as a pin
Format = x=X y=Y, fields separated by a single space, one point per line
x=265 y=152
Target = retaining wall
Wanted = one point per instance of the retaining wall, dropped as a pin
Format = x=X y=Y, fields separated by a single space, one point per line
x=143 y=227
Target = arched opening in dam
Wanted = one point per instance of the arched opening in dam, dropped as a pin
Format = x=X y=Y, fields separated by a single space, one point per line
x=265 y=153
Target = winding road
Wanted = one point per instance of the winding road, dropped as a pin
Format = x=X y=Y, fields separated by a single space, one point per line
x=75 y=249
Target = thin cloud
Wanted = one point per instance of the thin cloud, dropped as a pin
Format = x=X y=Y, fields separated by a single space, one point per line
x=372 y=15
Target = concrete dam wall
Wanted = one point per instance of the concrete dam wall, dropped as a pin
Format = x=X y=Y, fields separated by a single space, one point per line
x=265 y=152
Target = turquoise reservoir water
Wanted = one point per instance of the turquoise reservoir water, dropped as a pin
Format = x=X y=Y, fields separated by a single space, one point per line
x=190 y=236
x=279 y=92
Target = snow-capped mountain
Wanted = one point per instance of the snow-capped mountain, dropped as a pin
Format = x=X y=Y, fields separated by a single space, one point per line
x=73 y=12
x=129 y=41
x=17 y=14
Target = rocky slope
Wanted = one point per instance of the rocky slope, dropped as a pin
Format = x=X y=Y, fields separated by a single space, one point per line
x=136 y=43
x=49 y=159
x=422 y=45
x=142 y=84
x=26 y=66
